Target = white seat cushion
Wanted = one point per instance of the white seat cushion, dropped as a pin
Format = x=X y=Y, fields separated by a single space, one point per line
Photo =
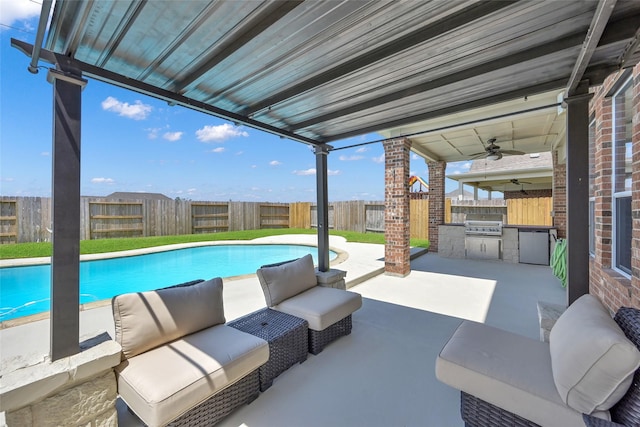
x=163 y=383
x=321 y=307
x=508 y=370
x=593 y=361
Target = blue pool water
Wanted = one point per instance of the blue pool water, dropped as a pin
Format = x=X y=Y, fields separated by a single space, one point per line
x=26 y=290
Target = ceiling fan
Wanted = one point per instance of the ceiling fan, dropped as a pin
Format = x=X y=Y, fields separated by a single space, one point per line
x=493 y=151
x=516 y=181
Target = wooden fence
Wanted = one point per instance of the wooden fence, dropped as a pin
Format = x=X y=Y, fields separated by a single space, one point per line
x=525 y=211
x=28 y=219
x=419 y=220
x=354 y=215
x=530 y=211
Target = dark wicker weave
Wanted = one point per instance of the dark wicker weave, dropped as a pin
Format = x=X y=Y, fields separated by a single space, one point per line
x=222 y=404
x=319 y=339
x=287 y=338
x=627 y=411
x=478 y=413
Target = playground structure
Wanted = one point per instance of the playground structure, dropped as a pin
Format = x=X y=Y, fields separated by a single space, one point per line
x=422 y=191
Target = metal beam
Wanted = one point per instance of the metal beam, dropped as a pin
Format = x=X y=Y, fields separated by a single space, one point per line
x=453 y=78
x=155 y=92
x=42 y=26
x=322 y=151
x=462 y=106
x=65 y=260
x=270 y=15
x=598 y=24
x=578 y=193
x=400 y=44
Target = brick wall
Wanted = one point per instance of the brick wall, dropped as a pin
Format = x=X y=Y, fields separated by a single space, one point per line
x=396 y=213
x=559 y=193
x=614 y=289
x=530 y=194
x=436 y=201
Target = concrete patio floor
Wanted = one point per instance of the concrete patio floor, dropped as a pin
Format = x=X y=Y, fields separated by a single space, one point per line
x=383 y=373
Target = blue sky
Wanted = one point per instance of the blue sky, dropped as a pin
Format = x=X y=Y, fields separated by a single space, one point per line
x=131 y=142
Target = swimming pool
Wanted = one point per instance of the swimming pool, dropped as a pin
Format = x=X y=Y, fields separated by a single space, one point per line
x=26 y=290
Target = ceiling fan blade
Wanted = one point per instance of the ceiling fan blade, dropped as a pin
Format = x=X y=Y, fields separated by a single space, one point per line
x=478 y=155
x=512 y=152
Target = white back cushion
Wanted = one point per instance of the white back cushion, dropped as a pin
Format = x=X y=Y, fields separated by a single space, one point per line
x=592 y=360
x=145 y=320
x=286 y=280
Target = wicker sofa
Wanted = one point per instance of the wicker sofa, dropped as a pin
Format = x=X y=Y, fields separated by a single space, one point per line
x=181 y=365
x=292 y=287
x=586 y=375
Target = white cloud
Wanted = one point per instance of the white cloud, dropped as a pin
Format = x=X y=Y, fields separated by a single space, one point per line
x=219 y=133
x=153 y=132
x=218 y=150
x=191 y=191
x=457 y=172
x=362 y=150
x=333 y=172
x=7 y=179
x=45 y=154
x=310 y=171
x=102 y=180
x=350 y=158
x=135 y=111
x=414 y=156
x=18 y=10
x=172 y=136
x=274 y=163
x=254 y=166
x=379 y=159
x=239 y=153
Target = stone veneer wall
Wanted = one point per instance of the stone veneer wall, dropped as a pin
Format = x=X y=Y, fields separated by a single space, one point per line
x=397 y=249
x=614 y=289
x=78 y=390
x=436 y=201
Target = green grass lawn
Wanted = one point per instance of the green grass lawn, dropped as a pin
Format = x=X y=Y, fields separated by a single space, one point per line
x=31 y=250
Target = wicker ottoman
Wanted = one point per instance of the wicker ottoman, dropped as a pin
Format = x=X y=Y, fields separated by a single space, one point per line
x=287 y=337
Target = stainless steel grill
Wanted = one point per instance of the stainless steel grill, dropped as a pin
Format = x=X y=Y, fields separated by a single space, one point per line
x=483 y=236
x=483 y=225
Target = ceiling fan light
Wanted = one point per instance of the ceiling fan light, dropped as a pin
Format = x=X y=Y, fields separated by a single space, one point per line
x=494 y=156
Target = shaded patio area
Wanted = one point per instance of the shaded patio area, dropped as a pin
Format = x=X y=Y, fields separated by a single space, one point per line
x=383 y=373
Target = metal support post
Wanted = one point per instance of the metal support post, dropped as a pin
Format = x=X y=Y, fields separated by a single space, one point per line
x=578 y=194
x=321 y=152
x=65 y=262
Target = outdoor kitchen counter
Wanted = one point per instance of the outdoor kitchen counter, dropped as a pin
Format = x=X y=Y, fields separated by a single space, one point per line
x=530 y=227
x=451 y=242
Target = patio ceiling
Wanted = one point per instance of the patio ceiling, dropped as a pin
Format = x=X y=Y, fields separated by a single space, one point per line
x=531 y=124
x=322 y=71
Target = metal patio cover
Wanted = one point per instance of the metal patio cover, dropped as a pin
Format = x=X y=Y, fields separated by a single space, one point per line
x=321 y=71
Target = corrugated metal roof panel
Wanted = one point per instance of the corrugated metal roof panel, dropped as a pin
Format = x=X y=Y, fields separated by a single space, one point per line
x=328 y=70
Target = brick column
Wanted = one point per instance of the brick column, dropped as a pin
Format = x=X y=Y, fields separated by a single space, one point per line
x=598 y=284
x=635 y=190
x=559 y=196
x=436 y=201
x=396 y=204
